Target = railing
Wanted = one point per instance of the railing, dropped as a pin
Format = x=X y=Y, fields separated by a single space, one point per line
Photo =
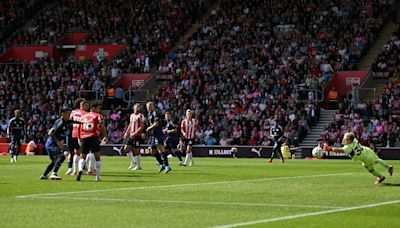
x=91 y=95
x=360 y=95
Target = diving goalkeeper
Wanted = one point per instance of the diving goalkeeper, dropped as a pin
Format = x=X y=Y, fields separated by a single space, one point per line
x=362 y=153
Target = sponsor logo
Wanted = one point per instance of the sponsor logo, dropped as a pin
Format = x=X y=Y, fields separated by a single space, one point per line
x=101 y=54
x=219 y=152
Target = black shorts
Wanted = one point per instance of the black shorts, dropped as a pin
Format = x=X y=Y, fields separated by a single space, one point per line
x=171 y=143
x=135 y=142
x=91 y=144
x=15 y=140
x=73 y=145
x=190 y=142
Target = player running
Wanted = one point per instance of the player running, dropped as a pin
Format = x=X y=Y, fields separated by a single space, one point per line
x=133 y=137
x=92 y=127
x=362 y=153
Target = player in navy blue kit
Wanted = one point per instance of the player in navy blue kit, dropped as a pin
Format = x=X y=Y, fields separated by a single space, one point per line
x=156 y=137
x=276 y=133
x=15 y=131
x=56 y=144
x=172 y=139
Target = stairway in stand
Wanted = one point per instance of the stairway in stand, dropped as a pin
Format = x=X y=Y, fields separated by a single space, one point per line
x=313 y=136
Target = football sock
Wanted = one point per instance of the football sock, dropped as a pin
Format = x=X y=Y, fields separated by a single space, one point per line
x=179 y=155
x=138 y=159
x=76 y=161
x=58 y=163
x=98 y=166
x=48 y=169
x=82 y=164
x=376 y=173
x=130 y=156
x=158 y=157
x=187 y=158
x=165 y=158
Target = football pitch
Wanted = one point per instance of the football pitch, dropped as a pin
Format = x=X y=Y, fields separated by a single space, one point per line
x=215 y=192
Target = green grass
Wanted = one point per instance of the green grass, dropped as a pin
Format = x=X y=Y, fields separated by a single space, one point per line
x=214 y=192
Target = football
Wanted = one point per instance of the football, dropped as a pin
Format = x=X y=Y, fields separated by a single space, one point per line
x=317 y=152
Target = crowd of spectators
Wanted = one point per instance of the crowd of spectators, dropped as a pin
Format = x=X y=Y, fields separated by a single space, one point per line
x=14 y=13
x=148 y=28
x=378 y=121
x=250 y=61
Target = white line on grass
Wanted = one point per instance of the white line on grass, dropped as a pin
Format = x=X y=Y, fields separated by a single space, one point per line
x=181 y=185
x=308 y=214
x=186 y=202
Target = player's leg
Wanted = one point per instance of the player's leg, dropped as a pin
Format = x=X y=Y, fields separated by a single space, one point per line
x=70 y=157
x=164 y=155
x=274 y=150
x=82 y=161
x=11 y=150
x=369 y=165
x=17 y=148
x=136 y=152
x=278 y=149
x=52 y=152
x=155 y=153
x=388 y=167
x=128 y=152
x=98 y=163
x=76 y=158
x=91 y=163
x=60 y=159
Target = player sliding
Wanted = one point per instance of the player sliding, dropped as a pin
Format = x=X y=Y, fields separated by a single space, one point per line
x=133 y=137
x=362 y=153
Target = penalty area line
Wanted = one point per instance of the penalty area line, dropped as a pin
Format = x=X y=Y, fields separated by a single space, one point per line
x=290 y=217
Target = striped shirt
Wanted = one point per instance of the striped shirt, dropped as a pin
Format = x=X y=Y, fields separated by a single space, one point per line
x=188 y=128
x=136 y=121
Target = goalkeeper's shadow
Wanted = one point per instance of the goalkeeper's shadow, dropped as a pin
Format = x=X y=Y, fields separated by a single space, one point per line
x=391 y=184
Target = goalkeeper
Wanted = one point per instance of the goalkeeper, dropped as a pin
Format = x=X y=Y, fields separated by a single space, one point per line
x=362 y=153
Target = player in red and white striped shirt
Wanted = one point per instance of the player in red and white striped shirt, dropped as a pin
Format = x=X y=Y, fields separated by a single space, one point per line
x=133 y=137
x=90 y=130
x=189 y=126
x=74 y=147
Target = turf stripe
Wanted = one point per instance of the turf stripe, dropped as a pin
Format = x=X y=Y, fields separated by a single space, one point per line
x=185 y=202
x=308 y=214
x=182 y=185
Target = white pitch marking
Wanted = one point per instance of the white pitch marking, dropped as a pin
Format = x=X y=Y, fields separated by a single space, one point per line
x=186 y=202
x=181 y=185
x=308 y=214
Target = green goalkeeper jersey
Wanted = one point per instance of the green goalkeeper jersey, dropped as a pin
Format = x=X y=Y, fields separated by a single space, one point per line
x=359 y=152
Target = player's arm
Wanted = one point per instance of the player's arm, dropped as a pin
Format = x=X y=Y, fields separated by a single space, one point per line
x=183 y=127
x=127 y=131
x=52 y=134
x=9 y=127
x=103 y=133
x=154 y=125
x=23 y=130
x=334 y=149
x=140 y=129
